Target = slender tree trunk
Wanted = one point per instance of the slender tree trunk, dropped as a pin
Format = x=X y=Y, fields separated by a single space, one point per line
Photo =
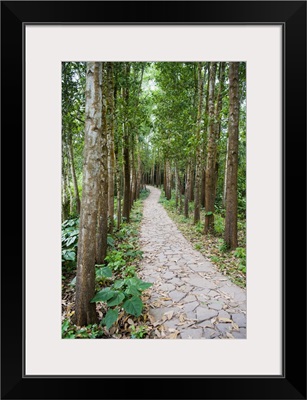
x=187 y=190
x=65 y=200
x=225 y=179
x=71 y=198
x=199 y=152
x=218 y=110
x=85 y=312
x=203 y=186
x=231 y=236
x=111 y=154
x=73 y=172
x=118 y=193
x=211 y=156
x=191 y=192
x=164 y=178
x=102 y=217
x=139 y=171
x=168 y=180
x=177 y=194
x=126 y=148
x=133 y=174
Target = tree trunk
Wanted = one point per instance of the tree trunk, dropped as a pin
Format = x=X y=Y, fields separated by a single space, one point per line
x=168 y=180
x=164 y=178
x=111 y=154
x=230 y=237
x=225 y=179
x=211 y=156
x=203 y=186
x=73 y=172
x=85 y=312
x=191 y=192
x=65 y=200
x=218 y=110
x=187 y=190
x=118 y=193
x=199 y=152
x=126 y=148
x=102 y=217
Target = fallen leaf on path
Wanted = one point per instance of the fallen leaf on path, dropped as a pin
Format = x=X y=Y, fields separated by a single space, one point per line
x=223 y=319
x=173 y=335
x=182 y=318
x=235 y=326
x=169 y=315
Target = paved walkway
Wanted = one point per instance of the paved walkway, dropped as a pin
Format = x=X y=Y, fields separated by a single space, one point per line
x=189 y=299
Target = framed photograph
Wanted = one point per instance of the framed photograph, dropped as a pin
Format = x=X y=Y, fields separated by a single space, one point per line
x=47 y=45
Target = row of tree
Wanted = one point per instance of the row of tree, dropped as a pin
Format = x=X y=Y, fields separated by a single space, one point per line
x=126 y=124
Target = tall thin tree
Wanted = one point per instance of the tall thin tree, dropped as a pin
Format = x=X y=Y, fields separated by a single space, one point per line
x=231 y=235
x=85 y=312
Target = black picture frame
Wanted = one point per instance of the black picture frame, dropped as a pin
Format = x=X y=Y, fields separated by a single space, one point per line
x=292 y=16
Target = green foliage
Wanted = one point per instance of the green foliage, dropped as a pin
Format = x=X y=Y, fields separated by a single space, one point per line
x=219 y=224
x=70 y=331
x=198 y=246
x=115 y=260
x=110 y=318
x=123 y=293
x=240 y=253
x=103 y=273
x=138 y=332
x=70 y=235
x=223 y=246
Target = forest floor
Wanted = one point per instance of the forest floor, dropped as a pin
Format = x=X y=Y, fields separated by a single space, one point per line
x=190 y=298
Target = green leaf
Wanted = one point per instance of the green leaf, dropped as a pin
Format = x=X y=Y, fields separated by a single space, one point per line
x=110 y=318
x=144 y=285
x=104 y=272
x=132 y=289
x=118 y=283
x=133 y=306
x=73 y=281
x=209 y=213
x=116 y=299
x=65 y=325
x=69 y=255
x=104 y=295
x=71 y=240
x=110 y=241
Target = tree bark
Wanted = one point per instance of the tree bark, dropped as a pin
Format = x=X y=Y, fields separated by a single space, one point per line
x=191 y=192
x=73 y=172
x=231 y=237
x=126 y=147
x=102 y=217
x=218 y=111
x=168 y=179
x=199 y=152
x=85 y=312
x=111 y=153
x=187 y=190
x=211 y=155
x=225 y=179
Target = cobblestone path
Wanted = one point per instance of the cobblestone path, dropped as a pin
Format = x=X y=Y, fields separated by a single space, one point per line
x=189 y=298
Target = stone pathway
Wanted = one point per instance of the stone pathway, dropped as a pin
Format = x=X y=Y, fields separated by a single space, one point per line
x=189 y=298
